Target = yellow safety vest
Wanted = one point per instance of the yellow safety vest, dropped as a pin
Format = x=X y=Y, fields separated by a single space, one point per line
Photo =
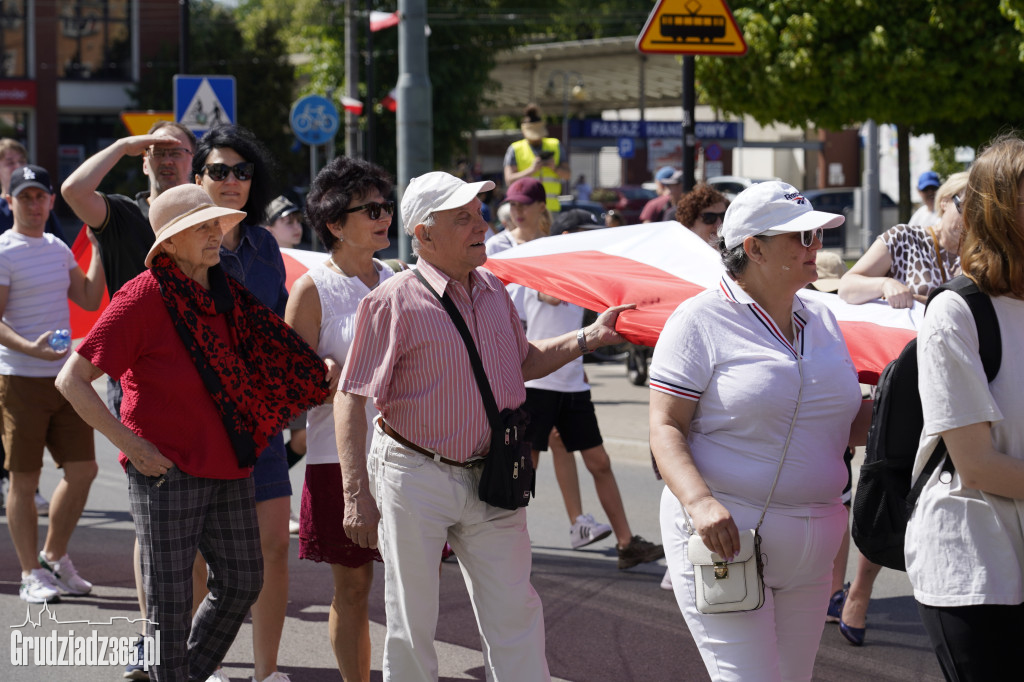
x=552 y=183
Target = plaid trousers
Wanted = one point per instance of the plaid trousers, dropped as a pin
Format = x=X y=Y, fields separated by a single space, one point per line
x=173 y=521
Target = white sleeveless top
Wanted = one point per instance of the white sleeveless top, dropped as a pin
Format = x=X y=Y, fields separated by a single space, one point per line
x=339 y=300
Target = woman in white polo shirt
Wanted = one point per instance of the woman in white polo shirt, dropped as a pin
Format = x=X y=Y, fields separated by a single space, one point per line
x=965 y=539
x=741 y=375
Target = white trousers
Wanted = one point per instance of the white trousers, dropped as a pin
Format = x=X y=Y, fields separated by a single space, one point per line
x=422 y=503
x=778 y=642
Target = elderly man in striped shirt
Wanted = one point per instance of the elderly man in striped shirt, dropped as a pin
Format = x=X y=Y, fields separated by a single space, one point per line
x=422 y=486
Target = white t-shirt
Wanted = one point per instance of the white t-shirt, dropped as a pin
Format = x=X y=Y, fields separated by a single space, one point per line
x=923 y=217
x=544 y=321
x=963 y=546
x=339 y=300
x=38 y=272
x=722 y=350
x=499 y=242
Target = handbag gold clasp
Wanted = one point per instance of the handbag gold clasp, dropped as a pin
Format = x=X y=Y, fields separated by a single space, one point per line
x=721 y=570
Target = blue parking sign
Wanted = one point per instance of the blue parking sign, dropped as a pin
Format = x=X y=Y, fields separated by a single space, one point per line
x=203 y=102
x=627 y=147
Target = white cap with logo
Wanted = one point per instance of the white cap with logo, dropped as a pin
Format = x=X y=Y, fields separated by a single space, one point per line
x=437 y=191
x=775 y=206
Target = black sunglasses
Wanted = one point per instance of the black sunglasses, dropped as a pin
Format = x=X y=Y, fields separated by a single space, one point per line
x=374 y=208
x=710 y=217
x=218 y=172
x=956 y=202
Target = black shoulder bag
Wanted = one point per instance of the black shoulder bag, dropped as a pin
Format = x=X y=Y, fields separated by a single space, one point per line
x=507 y=480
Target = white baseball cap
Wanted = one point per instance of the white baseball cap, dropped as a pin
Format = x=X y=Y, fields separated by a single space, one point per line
x=437 y=191
x=772 y=206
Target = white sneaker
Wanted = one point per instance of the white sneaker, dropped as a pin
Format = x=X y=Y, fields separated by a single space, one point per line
x=218 y=676
x=666 y=582
x=586 y=530
x=276 y=676
x=65 y=576
x=42 y=506
x=37 y=587
x=293 y=524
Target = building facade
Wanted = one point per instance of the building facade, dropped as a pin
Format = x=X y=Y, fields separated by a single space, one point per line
x=67 y=68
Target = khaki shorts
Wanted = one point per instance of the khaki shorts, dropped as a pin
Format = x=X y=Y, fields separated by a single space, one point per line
x=36 y=415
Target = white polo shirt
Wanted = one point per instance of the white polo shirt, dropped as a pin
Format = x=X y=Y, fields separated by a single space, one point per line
x=722 y=349
x=964 y=546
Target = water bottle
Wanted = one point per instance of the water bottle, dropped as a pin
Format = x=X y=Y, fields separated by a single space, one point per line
x=60 y=340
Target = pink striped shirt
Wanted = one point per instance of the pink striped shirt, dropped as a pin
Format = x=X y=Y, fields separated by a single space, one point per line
x=410 y=357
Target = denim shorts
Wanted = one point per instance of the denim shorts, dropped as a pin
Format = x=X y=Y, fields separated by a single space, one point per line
x=270 y=475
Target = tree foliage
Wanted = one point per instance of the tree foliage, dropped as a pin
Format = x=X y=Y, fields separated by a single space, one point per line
x=259 y=63
x=465 y=37
x=948 y=67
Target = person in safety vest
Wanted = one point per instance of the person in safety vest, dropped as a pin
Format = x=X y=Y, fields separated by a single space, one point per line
x=537 y=156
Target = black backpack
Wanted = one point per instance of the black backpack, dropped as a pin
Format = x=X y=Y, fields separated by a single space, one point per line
x=885 y=499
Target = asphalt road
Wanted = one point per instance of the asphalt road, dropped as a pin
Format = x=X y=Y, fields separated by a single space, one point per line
x=602 y=623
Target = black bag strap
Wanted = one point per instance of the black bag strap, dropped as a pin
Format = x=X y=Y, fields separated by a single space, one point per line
x=490 y=405
x=990 y=348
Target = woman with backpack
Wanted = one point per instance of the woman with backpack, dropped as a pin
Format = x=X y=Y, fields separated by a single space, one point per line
x=904 y=265
x=965 y=539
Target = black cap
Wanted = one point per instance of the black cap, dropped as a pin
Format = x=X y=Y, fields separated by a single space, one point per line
x=574 y=219
x=279 y=208
x=30 y=176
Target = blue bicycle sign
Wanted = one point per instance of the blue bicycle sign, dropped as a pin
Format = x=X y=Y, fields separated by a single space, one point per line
x=314 y=120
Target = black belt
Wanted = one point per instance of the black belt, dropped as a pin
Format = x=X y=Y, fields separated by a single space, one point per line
x=469 y=464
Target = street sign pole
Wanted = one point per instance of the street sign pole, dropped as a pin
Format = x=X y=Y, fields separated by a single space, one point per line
x=688 y=28
x=689 y=113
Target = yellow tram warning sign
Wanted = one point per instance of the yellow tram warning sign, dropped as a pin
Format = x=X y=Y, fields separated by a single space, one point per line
x=704 y=27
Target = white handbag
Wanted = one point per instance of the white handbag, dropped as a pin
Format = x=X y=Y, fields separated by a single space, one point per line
x=726 y=586
x=722 y=586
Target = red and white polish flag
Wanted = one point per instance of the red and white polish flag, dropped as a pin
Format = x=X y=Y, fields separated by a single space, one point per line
x=382 y=20
x=657 y=266
x=353 y=105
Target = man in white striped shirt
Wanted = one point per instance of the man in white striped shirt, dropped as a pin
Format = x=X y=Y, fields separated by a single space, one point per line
x=38 y=274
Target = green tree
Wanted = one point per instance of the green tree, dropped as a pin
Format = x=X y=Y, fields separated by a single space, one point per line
x=929 y=66
x=259 y=63
x=465 y=36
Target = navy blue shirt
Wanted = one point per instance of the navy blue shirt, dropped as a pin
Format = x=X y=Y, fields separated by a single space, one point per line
x=257 y=264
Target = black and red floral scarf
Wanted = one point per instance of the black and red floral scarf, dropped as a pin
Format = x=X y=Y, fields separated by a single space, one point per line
x=261 y=377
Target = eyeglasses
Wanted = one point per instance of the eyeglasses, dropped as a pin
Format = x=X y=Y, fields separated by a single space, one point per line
x=710 y=217
x=218 y=172
x=956 y=202
x=807 y=237
x=374 y=208
x=176 y=153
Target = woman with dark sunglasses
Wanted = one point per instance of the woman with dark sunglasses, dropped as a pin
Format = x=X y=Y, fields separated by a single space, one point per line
x=702 y=210
x=348 y=209
x=751 y=382
x=236 y=170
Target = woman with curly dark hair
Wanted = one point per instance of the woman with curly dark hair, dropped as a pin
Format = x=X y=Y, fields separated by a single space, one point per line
x=702 y=210
x=348 y=208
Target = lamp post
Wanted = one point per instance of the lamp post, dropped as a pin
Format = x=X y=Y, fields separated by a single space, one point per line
x=578 y=93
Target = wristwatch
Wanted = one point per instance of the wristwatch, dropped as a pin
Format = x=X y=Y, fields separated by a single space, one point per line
x=581 y=341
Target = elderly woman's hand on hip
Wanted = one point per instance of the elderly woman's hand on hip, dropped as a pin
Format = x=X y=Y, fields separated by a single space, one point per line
x=715 y=526
x=146 y=459
x=897 y=294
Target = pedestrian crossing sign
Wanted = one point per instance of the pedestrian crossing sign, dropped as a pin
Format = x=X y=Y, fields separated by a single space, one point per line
x=692 y=27
x=203 y=102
